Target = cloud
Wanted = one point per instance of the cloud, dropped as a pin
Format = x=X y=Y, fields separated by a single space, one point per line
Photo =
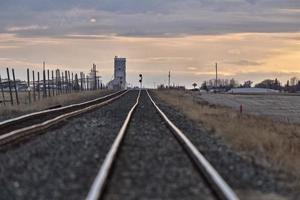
x=151 y=18
x=26 y=28
x=93 y=20
x=245 y=63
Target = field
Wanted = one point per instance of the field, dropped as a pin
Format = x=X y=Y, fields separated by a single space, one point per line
x=271 y=143
x=285 y=108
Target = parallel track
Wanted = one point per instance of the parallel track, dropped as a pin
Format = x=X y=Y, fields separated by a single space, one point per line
x=18 y=128
x=220 y=188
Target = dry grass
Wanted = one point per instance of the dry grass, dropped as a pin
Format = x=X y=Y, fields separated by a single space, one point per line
x=273 y=144
x=65 y=99
x=255 y=195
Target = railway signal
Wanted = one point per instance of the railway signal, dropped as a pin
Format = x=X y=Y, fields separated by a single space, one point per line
x=141 y=80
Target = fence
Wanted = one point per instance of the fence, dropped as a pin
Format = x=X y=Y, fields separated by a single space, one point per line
x=48 y=84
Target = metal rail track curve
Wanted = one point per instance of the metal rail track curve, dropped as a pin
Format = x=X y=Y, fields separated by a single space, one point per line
x=219 y=186
x=222 y=189
x=18 y=134
x=12 y=122
x=98 y=185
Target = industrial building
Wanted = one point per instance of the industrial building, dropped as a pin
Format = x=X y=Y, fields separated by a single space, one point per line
x=94 y=80
x=119 y=81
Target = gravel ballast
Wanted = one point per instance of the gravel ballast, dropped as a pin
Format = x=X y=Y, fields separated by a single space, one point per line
x=62 y=163
x=151 y=163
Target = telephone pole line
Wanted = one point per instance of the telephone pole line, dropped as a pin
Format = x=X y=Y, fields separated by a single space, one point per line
x=169 y=76
x=216 y=75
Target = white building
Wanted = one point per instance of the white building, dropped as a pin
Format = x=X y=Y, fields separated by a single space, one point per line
x=119 y=81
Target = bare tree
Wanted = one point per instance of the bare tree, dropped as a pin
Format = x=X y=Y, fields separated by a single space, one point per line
x=293 y=81
x=194 y=85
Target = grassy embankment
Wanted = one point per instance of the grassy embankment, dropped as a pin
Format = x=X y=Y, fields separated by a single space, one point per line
x=270 y=143
x=63 y=100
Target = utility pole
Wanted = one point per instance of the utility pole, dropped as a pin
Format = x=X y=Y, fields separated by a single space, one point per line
x=94 y=72
x=169 y=76
x=44 y=81
x=216 y=75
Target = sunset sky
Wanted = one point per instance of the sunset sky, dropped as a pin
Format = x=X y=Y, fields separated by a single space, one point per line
x=250 y=39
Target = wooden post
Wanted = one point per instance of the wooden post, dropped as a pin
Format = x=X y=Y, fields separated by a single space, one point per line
x=28 y=86
x=87 y=83
x=63 y=82
x=72 y=82
x=9 y=85
x=84 y=85
x=56 y=83
x=60 y=82
x=68 y=75
x=38 y=86
x=69 y=80
x=33 y=79
x=76 y=84
x=48 y=83
x=15 y=86
x=3 y=96
x=44 y=81
x=81 y=81
x=52 y=82
x=66 y=81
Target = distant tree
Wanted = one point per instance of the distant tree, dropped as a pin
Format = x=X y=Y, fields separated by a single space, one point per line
x=194 y=85
x=270 y=84
x=161 y=86
x=298 y=86
x=247 y=84
x=265 y=84
x=211 y=83
x=276 y=81
x=233 y=83
x=293 y=81
x=204 y=86
x=277 y=85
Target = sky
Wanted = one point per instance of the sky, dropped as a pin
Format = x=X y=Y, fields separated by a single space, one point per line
x=250 y=39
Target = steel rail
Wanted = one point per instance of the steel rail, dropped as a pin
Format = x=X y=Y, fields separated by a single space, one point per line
x=98 y=185
x=26 y=131
x=35 y=114
x=221 y=188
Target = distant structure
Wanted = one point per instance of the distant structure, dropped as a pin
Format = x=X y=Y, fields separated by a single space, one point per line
x=119 y=81
x=94 y=80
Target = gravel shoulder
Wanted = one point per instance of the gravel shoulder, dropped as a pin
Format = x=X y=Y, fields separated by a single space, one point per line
x=251 y=180
x=62 y=163
x=151 y=164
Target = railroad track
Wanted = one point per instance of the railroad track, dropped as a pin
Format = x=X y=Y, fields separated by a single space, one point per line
x=144 y=152
x=16 y=129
